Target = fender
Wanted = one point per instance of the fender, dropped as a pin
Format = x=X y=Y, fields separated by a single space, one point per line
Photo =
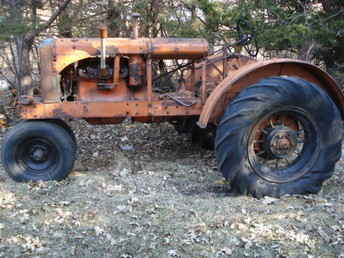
x=249 y=74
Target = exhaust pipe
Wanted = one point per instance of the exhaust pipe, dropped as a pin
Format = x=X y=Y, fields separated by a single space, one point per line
x=104 y=75
x=103 y=35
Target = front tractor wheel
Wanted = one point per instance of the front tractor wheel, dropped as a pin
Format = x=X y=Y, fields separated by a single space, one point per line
x=38 y=150
x=280 y=136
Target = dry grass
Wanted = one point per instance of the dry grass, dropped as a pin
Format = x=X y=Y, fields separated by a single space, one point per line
x=144 y=191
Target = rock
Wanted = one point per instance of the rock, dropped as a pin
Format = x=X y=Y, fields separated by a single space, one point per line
x=269 y=200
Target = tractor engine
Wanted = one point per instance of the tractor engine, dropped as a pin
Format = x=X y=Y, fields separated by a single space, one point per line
x=107 y=69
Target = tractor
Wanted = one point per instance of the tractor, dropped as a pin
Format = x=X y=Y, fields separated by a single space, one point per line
x=277 y=123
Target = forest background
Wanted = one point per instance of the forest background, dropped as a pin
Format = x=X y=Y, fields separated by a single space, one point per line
x=141 y=190
x=306 y=29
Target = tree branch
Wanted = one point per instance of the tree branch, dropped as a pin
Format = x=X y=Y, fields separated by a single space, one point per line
x=14 y=61
x=58 y=11
x=7 y=79
x=334 y=15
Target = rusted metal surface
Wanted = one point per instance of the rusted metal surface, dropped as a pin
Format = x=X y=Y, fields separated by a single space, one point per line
x=149 y=80
x=276 y=141
x=271 y=122
x=67 y=51
x=60 y=54
x=104 y=80
x=204 y=82
x=101 y=109
x=116 y=74
x=217 y=67
x=136 y=70
x=50 y=80
x=239 y=77
x=103 y=31
x=183 y=97
x=250 y=74
x=88 y=91
x=104 y=121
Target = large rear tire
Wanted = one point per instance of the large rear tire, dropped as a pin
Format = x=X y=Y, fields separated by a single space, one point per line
x=280 y=136
x=38 y=151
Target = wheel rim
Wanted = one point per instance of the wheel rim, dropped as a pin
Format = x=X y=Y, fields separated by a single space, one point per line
x=283 y=146
x=37 y=155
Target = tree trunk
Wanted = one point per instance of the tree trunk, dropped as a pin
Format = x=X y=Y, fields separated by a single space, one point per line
x=21 y=57
x=26 y=84
x=22 y=43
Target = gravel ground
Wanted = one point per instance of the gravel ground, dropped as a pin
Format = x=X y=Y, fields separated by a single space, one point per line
x=142 y=190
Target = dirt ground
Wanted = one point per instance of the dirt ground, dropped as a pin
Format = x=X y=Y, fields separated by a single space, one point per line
x=142 y=190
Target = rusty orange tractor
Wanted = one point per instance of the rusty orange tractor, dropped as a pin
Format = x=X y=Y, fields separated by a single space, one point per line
x=278 y=123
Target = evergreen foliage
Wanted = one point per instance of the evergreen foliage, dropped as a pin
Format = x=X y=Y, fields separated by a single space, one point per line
x=312 y=30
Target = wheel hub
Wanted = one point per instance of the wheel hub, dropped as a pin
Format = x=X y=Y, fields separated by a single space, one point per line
x=38 y=153
x=281 y=142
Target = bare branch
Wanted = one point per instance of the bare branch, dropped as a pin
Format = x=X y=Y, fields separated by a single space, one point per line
x=334 y=15
x=9 y=64
x=52 y=18
x=7 y=79
x=15 y=70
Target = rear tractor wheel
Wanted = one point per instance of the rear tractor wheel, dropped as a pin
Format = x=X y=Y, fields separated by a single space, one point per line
x=280 y=136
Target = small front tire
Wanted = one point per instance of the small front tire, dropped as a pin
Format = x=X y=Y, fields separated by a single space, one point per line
x=38 y=151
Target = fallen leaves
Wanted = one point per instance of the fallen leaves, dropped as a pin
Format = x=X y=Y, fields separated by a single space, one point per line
x=161 y=198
